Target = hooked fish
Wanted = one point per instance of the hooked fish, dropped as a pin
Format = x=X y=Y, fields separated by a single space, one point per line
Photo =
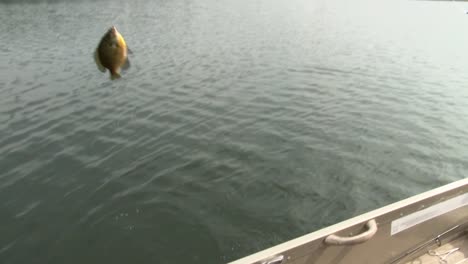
x=111 y=53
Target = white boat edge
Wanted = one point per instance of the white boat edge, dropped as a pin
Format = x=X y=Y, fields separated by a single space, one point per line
x=282 y=252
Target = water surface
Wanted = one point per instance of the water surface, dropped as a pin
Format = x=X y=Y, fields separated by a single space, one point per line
x=240 y=124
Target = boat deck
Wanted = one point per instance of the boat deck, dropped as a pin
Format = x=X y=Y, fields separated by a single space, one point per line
x=428 y=228
x=454 y=252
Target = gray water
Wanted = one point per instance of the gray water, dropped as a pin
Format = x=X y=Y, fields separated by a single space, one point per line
x=239 y=125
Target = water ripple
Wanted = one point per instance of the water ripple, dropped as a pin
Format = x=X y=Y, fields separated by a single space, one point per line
x=235 y=119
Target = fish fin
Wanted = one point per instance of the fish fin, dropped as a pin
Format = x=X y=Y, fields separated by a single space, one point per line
x=114 y=75
x=126 y=65
x=98 y=62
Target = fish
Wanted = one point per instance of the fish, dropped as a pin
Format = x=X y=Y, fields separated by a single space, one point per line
x=112 y=53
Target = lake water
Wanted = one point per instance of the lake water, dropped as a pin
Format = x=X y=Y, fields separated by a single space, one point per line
x=239 y=125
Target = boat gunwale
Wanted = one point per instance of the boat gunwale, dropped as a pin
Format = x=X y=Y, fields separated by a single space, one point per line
x=451 y=189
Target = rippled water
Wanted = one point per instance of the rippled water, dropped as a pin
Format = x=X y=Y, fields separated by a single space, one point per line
x=240 y=124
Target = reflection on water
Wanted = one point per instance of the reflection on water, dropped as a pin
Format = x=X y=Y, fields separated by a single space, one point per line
x=241 y=124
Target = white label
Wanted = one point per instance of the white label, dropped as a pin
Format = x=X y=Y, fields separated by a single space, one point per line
x=421 y=216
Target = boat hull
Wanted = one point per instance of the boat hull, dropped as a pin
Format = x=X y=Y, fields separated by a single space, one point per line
x=401 y=227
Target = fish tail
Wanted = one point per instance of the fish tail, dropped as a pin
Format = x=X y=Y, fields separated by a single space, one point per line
x=114 y=75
